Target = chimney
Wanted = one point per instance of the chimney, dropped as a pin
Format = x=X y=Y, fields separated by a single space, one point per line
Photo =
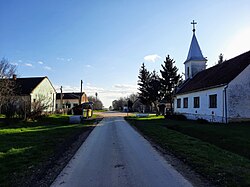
x=14 y=76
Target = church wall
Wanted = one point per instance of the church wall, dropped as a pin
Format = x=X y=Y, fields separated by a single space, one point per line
x=187 y=74
x=203 y=112
x=238 y=92
x=194 y=68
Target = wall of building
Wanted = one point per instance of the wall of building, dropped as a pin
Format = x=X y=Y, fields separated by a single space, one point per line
x=203 y=112
x=238 y=93
x=71 y=102
x=46 y=93
x=194 y=68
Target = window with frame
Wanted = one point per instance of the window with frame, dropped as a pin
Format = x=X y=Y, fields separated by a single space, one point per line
x=178 y=103
x=185 y=102
x=68 y=105
x=196 y=102
x=213 y=101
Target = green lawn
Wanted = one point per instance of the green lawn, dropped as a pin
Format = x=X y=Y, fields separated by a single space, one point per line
x=25 y=146
x=204 y=147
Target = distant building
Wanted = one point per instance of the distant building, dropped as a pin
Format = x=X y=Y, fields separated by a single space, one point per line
x=70 y=100
x=218 y=94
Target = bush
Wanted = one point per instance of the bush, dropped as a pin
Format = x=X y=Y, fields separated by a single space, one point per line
x=179 y=117
x=203 y=121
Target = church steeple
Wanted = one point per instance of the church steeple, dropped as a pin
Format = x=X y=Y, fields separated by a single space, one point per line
x=195 y=61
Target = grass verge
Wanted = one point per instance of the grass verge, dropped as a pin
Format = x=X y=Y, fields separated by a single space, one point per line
x=25 y=147
x=220 y=166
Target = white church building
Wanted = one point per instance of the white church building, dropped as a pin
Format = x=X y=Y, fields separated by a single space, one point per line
x=218 y=94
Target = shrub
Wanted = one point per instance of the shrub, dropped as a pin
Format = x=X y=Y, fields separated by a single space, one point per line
x=179 y=117
x=201 y=120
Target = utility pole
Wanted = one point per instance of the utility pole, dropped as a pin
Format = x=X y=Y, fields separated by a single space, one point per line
x=61 y=103
x=96 y=100
x=96 y=96
x=80 y=99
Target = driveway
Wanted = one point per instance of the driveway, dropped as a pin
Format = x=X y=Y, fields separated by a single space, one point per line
x=114 y=154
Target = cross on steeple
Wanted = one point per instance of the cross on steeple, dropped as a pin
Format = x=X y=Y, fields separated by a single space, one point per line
x=193 y=23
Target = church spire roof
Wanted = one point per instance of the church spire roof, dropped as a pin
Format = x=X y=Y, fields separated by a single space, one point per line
x=194 y=50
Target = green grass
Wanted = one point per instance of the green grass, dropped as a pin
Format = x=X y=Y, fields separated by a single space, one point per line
x=25 y=146
x=202 y=151
x=102 y=110
x=232 y=137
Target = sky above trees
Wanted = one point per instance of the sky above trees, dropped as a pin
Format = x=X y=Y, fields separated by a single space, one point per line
x=104 y=43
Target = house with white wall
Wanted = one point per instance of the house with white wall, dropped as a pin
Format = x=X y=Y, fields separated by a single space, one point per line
x=70 y=100
x=218 y=94
x=33 y=89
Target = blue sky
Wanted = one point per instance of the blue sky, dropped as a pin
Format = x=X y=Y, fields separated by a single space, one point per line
x=105 y=42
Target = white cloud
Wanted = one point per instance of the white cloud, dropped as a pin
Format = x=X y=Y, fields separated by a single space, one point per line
x=88 y=66
x=28 y=64
x=152 y=58
x=64 y=59
x=14 y=63
x=47 y=68
x=60 y=58
x=20 y=61
x=238 y=44
x=40 y=62
x=125 y=86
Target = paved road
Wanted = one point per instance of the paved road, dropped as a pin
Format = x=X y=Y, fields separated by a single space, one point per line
x=114 y=154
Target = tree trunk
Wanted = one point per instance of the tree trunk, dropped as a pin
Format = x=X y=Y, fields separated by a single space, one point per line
x=156 y=108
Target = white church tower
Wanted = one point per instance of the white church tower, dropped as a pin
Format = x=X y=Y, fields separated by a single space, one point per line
x=195 y=61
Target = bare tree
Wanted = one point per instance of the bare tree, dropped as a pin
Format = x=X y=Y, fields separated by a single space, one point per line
x=39 y=106
x=97 y=103
x=7 y=86
x=221 y=59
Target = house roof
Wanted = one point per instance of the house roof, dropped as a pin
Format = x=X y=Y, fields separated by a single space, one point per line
x=27 y=85
x=220 y=74
x=194 y=51
x=73 y=95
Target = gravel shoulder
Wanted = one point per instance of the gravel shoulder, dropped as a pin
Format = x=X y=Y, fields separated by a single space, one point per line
x=46 y=174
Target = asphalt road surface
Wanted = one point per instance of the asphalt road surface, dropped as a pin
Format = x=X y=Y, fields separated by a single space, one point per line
x=115 y=154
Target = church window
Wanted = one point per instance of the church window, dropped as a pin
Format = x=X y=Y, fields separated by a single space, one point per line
x=185 y=102
x=188 y=71
x=178 y=103
x=196 y=102
x=213 y=101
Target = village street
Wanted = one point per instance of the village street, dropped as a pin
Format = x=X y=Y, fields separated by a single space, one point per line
x=115 y=154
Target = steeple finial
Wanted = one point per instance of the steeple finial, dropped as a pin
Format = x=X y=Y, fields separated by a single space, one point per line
x=193 y=23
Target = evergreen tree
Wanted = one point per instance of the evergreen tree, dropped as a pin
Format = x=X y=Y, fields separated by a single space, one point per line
x=154 y=90
x=143 y=82
x=169 y=79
